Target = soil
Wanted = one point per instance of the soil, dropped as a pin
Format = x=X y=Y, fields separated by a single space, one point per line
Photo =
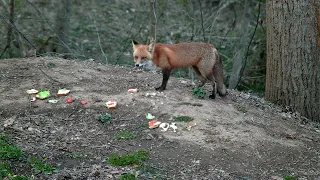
x=239 y=136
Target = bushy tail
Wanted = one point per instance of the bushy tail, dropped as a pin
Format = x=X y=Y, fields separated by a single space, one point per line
x=218 y=75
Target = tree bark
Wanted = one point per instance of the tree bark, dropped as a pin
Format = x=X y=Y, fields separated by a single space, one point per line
x=293 y=55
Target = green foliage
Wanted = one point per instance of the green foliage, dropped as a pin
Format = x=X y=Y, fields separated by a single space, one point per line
x=9 y=151
x=41 y=167
x=199 y=92
x=125 y=135
x=290 y=178
x=128 y=160
x=17 y=3
x=182 y=118
x=105 y=118
x=4 y=170
x=19 y=178
x=128 y=176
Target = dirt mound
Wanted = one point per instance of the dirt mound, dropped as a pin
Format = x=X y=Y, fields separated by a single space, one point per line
x=236 y=137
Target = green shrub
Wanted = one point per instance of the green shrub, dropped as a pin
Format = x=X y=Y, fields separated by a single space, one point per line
x=199 y=92
x=9 y=151
x=105 y=118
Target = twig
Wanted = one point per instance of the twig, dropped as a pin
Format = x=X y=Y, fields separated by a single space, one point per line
x=50 y=76
x=15 y=28
x=247 y=53
x=231 y=28
x=75 y=109
x=4 y=50
x=46 y=21
x=95 y=25
x=203 y=33
x=155 y=20
x=216 y=15
x=128 y=44
x=5 y=6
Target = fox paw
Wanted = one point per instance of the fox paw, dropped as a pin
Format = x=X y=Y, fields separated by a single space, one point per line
x=212 y=96
x=159 y=88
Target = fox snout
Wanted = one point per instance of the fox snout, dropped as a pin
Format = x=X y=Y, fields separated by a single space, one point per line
x=139 y=65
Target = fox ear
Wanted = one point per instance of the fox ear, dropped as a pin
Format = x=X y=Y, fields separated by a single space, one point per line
x=134 y=42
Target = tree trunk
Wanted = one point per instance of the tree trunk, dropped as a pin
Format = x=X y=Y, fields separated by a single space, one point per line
x=293 y=55
x=62 y=25
x=244 y=41
x=9 y=36
x=152 y=20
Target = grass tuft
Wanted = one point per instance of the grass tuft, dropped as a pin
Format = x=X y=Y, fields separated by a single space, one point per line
x=128 y=160
x=8 y=150
x=41 y=167
x=182 y=119
x=125 y=135
x=128 y=176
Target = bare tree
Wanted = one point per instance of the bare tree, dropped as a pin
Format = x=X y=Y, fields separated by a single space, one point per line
x=238 y=62
x=10 y=28
x=152 y=20
x=293 y=55
x=62 y=26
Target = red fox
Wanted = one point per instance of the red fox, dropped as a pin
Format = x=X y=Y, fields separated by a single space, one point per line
x=204 y=59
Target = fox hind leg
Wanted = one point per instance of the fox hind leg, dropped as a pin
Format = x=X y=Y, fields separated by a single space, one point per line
x=203 y=79
x=214 y=86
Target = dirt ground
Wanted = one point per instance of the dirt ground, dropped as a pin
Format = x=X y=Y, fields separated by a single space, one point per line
x=239 y=136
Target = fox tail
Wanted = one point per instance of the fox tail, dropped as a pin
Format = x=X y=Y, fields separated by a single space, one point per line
x=218 y=75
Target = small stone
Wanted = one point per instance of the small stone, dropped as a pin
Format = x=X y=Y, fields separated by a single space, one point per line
x=275 y=178
x=63 y=175
x=8 y=122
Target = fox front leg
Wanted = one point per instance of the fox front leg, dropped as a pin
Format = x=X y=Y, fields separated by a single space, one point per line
x=165 y=77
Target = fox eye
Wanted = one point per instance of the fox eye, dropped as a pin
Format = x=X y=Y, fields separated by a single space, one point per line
x=136 y=57
x=143 y=58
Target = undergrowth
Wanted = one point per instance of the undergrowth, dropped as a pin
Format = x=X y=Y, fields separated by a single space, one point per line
x=135 y=158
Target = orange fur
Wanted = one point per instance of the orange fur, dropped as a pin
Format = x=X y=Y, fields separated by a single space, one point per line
x=204 y=58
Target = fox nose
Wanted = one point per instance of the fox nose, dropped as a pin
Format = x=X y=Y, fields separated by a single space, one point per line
x=137 y=65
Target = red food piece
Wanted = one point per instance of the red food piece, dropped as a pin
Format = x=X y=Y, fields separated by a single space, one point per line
x=83 y=102
x=69 y=100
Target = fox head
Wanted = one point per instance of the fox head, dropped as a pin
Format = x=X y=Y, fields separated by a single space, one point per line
x=142 y=53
